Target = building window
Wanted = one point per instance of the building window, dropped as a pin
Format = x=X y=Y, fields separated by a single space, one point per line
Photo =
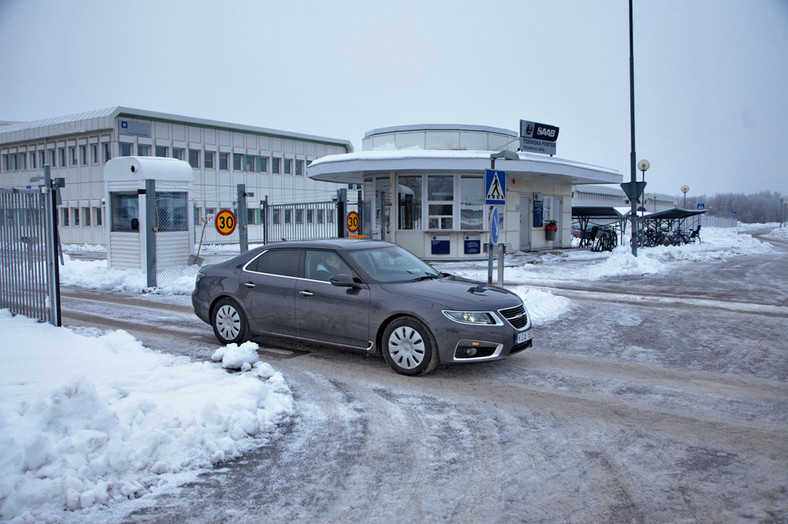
x=125 y=149
x=288 y=216
x=52 y=158
x=162 y=151
x=171 y=211
x=262 y=164
x=250 y=163
x=125 y=212
x=251 y=216
x=275 y=165
x=98 y=216
x=83 y=150
x=238 y=160
x=299 y=216
x=178 y=152
x=299 y=167
x=288 y=166
x=43 y=156
x=224 y=159
x=62 y=157
x=547 y=209
x=275 y=217
x=86 y=215
x=33 y=160
x=143 y=150
x=208 y=158
x=107 y=152
x=94 y=152
x=472 y=203
x=65 y=217
x=440 y=196
x=76 y=216
x=72 y=152
x=194 y=158
x=409 y=202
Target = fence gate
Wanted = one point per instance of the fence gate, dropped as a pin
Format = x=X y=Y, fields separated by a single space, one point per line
x=29 y=272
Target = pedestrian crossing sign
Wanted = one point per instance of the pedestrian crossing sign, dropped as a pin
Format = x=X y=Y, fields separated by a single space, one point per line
x=495 y=188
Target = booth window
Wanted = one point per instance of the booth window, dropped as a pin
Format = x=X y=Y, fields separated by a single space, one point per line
x=440 y=196
x=472 y=203
x=409 y=191
x=125 y=211
x=171 y=211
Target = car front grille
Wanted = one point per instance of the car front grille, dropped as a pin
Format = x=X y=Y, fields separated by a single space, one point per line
x=515 y=316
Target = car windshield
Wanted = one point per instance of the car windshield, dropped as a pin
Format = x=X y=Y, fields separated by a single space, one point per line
x=393 y=264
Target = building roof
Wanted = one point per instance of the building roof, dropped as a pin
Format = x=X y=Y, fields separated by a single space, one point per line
x=104 y=119
x=352 y=167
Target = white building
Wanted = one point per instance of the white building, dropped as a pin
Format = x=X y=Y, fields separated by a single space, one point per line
x=269 y=162
x=428 y=188
x=613 y=196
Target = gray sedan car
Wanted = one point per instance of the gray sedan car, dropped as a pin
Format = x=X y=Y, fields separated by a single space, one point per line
x=366 y=295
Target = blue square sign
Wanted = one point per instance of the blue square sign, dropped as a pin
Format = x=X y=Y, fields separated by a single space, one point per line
x=495 y=188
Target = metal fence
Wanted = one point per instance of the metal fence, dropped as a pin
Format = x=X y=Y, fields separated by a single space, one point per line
x=29 y=272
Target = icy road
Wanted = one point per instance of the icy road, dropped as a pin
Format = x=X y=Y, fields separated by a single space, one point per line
x=653 y=398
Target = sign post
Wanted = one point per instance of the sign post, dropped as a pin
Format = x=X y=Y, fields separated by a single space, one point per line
x=495 y=191
x=225 y=222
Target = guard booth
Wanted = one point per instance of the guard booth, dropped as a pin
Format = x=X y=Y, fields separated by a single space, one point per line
x=148 y=226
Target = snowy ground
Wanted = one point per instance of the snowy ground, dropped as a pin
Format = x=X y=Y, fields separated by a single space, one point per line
x=88 y=418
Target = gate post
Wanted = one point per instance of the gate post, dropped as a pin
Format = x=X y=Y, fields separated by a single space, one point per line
x=243 y=219
x=53 y=269
x=264 y=218
x=151 y=226
x=341 y=212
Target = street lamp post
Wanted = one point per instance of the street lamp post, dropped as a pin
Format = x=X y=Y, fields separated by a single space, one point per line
x=685 y=190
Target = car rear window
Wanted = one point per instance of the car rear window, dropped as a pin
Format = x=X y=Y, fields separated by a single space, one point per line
x=276 y=262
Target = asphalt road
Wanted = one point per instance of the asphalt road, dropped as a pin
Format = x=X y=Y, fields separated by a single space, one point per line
x=659 y=398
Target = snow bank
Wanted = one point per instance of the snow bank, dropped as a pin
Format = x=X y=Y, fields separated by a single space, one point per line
x=543 y=306
x=88 y=418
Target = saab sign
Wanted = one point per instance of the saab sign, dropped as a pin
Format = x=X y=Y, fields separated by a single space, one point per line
x=538 y=138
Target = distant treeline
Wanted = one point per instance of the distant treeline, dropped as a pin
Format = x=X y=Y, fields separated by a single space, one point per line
x=758 y=207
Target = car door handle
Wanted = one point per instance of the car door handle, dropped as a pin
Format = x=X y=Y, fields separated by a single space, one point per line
x=305 y=293
x=250 y=285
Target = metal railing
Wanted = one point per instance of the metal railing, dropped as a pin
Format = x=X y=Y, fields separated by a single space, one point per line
x=29 y=272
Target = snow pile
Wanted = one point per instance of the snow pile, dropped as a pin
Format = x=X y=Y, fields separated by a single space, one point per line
x=543 y=306
x=233 y=356
x=86 y=418
x=781 y=233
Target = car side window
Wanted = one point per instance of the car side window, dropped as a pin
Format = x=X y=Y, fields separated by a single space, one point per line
x=322 y=265
x=276 y=262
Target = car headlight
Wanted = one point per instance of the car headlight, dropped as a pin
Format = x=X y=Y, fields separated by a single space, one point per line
x=471 y=317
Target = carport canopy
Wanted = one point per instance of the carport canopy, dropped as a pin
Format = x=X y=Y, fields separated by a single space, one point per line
x=607 y=216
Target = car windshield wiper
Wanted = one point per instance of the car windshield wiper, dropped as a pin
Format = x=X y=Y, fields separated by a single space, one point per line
x=424 y=277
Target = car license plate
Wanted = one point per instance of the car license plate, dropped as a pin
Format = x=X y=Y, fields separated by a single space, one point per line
x=525 y=336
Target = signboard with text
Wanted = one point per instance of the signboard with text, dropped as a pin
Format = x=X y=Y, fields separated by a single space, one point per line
x=538 y=138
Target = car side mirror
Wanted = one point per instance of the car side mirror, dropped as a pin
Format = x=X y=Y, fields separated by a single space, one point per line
x=343 y=280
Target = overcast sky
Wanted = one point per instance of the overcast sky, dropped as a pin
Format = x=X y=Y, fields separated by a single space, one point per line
x=710 y=89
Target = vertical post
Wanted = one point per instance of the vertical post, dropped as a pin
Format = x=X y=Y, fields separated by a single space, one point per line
x=264 y=218
x=341 y=212
x=633 y=167
x=500 y=264
x=53 y=269
x=151 y=227
x=243 y=219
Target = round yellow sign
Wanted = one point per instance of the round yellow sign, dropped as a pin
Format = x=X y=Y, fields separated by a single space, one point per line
x=225 y=222
x=353 y=221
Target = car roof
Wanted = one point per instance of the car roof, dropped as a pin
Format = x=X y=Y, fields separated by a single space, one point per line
x=345 y=244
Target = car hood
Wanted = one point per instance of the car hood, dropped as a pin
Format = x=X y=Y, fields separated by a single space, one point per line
x=456 y=294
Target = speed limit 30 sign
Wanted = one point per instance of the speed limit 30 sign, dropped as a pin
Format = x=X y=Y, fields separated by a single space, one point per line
x=225 y=222
x=353 y=221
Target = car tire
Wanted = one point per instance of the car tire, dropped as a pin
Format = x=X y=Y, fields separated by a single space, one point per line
x=409 y=347
x=229 y=322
